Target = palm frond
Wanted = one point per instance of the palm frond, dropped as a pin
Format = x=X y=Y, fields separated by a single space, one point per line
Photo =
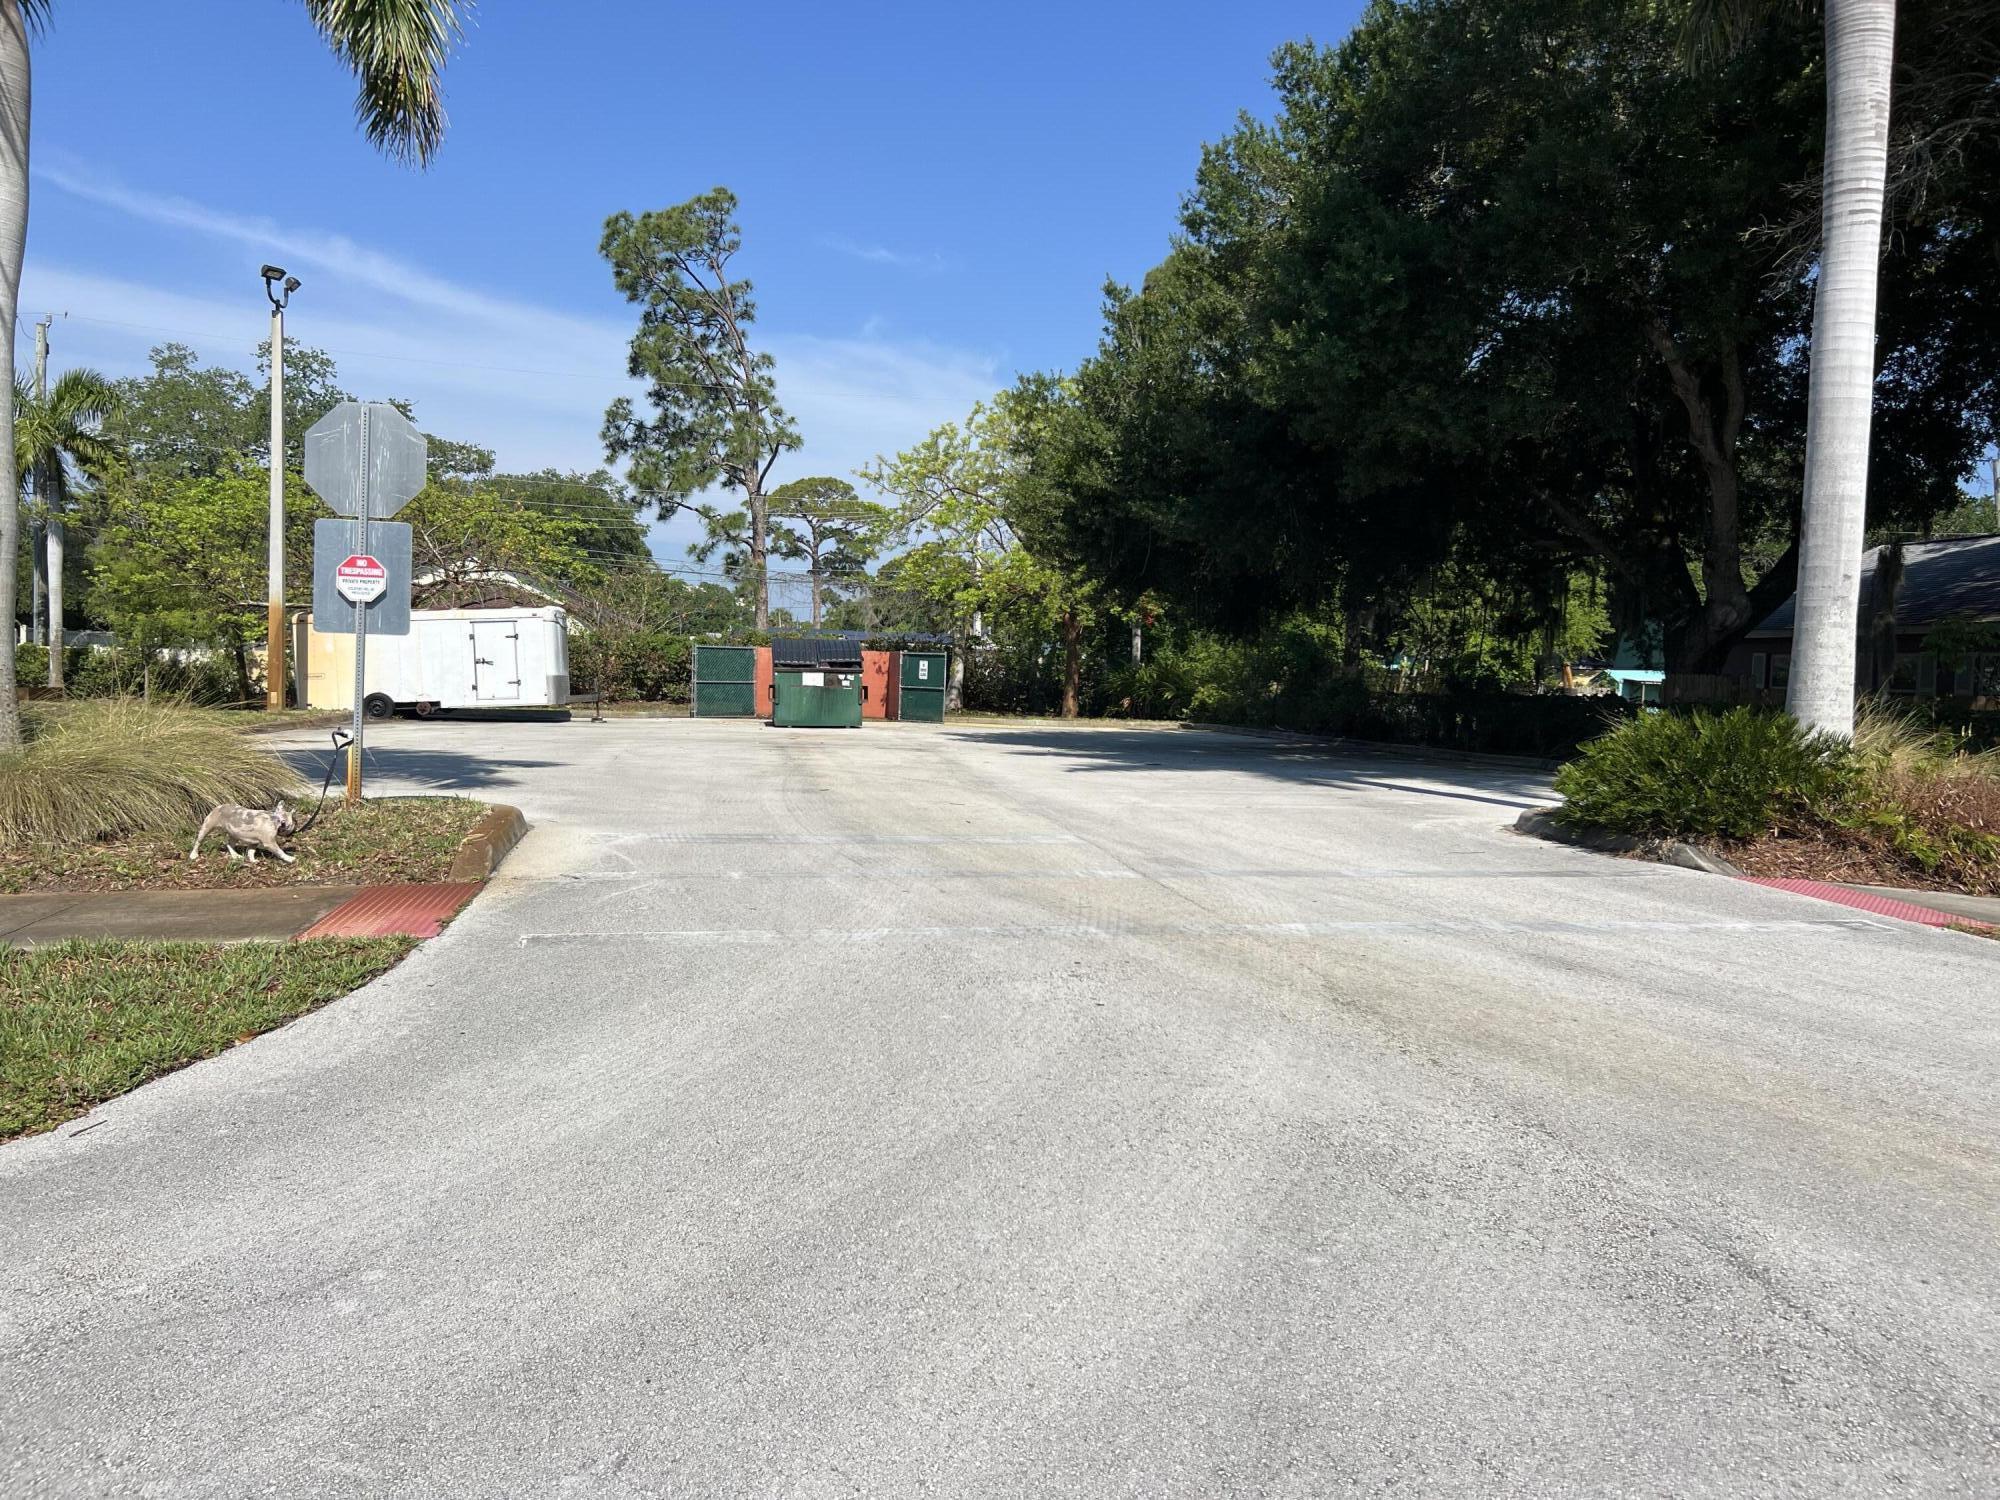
x=1719 y=29
x=397 y=50
x=51 y=435
x=82 y=398
x=36 y=14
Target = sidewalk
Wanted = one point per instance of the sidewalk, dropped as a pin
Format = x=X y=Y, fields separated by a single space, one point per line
x=269 y=914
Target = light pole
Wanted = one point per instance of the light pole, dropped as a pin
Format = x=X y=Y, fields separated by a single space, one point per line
x=279 y=288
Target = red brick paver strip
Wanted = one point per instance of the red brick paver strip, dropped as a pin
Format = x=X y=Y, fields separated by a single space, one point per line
x=391 y=910
x=1868 y=901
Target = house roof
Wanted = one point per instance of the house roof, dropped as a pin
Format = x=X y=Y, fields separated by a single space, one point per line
x=1955 y=576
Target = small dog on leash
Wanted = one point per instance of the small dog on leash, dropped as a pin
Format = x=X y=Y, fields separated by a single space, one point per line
x=248 y=829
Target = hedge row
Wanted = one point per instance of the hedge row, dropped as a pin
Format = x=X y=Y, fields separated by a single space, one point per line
x=104 y=672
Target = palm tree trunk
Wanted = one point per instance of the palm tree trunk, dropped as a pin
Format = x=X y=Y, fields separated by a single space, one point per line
x=38 y=634
x=57 y=537
x=14 y=85
x=1860 y=54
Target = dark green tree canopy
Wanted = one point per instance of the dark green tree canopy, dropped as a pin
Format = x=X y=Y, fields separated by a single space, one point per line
x=715 y=414
x=836 y=531
x=1492 y=290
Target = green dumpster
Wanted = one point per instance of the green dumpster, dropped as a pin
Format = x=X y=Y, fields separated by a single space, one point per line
x=817 y=695
x=921 y=686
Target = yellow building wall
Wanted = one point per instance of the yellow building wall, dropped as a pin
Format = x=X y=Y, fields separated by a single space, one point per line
x=323 y=666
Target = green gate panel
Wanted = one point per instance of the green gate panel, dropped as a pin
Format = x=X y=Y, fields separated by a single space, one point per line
x=922 y=687
x=725 y=682
x=725 y=700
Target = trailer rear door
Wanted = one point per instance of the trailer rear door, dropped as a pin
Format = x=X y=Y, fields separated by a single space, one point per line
x=496 y=661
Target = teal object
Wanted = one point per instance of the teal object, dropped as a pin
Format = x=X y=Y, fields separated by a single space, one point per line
x=816 y=698
x=921 y=686
x=725 y=682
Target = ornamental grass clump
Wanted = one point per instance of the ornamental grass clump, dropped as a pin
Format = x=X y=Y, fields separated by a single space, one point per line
x=1937 y=804
x=1736 y=775
x=116 y=767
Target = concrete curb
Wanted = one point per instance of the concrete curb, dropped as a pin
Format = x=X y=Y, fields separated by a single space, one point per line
x=1693 y=857
x=1944 y=908
x=499 y=829
x=1541 y=823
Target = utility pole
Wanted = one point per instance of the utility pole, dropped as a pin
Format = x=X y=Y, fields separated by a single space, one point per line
x=274 y=641
x=38 y=631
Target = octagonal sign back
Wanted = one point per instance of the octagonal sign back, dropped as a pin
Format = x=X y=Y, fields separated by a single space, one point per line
x=396 y=458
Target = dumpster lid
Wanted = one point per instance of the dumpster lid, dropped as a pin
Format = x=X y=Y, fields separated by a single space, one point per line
x=830 y=664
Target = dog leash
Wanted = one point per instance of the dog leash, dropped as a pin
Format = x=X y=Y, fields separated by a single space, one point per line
x=340 y=739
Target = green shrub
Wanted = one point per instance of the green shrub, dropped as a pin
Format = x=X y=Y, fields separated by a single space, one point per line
x=1733 y=775
x=106 y=672
x=115 y=767
x=31 y=665
x=209 y=679
x=626 y=665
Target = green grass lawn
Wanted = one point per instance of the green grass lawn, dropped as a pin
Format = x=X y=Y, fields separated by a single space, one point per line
x=83 y=1022
x=385 y=840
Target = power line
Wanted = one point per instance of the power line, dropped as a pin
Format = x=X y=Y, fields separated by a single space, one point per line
x=413 y=359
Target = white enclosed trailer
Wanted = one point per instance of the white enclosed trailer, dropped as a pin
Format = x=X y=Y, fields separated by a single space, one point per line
x=451 y=659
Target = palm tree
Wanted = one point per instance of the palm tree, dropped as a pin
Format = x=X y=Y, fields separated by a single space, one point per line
x=396 y=49
x=52 y=438
x=1860 y=55
x=1840 y=398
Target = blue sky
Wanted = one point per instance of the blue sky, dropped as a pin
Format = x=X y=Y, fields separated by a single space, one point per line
x=932 y=195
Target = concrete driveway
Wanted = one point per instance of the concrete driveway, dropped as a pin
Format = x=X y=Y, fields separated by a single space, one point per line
x=1023 y=1110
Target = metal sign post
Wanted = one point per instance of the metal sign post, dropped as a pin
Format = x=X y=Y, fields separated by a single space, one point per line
x=360 y=630
x=365 y=460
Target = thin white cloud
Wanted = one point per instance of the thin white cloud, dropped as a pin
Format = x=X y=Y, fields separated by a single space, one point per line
x=329 y=253
x=882 y=255
x=529 y=380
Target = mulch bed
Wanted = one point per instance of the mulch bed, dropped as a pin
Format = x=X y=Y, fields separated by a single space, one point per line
x=384 y=841
x=1846 y=857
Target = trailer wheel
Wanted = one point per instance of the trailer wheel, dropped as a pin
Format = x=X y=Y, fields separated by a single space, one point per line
x=378 y=706
x=426 y=709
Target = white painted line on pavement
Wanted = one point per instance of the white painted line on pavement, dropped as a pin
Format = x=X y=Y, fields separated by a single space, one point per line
x=1206 y=872
x=845 y=838
x=1439 y=927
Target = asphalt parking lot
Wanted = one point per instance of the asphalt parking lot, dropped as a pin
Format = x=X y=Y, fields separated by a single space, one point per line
x=1018 y=1108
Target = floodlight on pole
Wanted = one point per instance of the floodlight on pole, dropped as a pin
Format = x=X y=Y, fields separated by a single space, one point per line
x=278 y=287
